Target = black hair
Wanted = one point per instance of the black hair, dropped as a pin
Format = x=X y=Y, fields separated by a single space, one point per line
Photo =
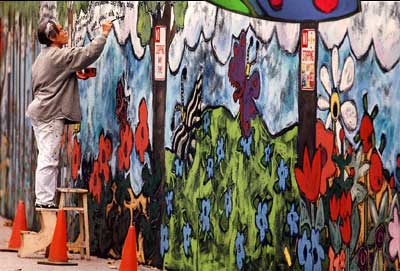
x=47 y=29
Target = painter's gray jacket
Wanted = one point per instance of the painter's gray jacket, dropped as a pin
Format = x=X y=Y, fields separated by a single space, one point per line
x=54 y=83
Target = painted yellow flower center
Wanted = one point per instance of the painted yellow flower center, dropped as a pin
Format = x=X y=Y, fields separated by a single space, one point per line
x=335 y=105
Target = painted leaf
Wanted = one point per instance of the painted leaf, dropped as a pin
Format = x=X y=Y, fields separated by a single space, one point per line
x=334 y=234
x=320 y=219
x=358 y=192
x=143 y=24
x=179 y=13
x=355 y=228
x=304 y=216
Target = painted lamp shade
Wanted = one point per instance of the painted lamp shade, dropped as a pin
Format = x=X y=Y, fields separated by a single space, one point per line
x=292 y=10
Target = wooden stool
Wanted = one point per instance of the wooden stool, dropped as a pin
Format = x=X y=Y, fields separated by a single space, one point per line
x=82 y=242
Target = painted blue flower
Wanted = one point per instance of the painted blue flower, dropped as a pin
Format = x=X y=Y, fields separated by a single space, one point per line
x=262 y=220
x=206 y=122
x=267 y=154
x=178 y=167
x=187 y=231
x=292 y=218
x=283 y=174
x=304 y=252
x=164 y=243
x=239 y=250
x=228 y=202
x=310 y=253
x=168 y=200
x=317 y=250
x=210 y=167
x=246 y=142
x=220 y=150
x=205 y=215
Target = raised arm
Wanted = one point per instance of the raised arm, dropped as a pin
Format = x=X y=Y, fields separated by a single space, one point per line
x=79 y=58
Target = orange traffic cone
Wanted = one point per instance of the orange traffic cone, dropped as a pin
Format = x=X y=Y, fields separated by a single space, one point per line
x=129 y=258
x=19 y=225
x=58 y=248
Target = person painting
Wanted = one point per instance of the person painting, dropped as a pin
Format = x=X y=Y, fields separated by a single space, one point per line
x=56 y=99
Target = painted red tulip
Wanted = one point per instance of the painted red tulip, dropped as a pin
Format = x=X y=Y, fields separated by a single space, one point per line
x=95 y=184
x=366 y=132
x=345 y=230
x=345 y=214
x=76 y=159
x=142 y=131
x=125 y=147
x=309 y=178
x=334 y=207
x=376 y=172
x=105 y=148
x=324 y=139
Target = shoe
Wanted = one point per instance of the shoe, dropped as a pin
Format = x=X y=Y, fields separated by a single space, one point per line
x=46 y=206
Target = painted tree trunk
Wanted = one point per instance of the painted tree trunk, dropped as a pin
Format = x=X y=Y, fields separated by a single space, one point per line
x=307 y=98
x=159 y=106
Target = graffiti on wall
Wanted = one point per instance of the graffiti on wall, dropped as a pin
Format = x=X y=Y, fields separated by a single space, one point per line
x=205 y=162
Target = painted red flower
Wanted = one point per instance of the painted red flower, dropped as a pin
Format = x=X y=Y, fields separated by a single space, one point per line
x=337 y=262
x=366 y=132
x=105 y=148
x=125 y=147
x=334 y=206
x=325 y=139
x=376 y=172
x=309 y=178
x=76 y=159
x=345 y=214
x=95 y=184
x=142 y=131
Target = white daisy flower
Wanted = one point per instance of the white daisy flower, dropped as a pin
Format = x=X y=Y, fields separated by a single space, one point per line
x=339 y=113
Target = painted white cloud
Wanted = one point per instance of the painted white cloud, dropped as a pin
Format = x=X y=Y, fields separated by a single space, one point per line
x=90 y=23
x=379 y=22
x=223 y=25
x=199 y=19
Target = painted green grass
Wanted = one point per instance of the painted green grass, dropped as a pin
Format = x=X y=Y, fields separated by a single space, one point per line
x=250 y=181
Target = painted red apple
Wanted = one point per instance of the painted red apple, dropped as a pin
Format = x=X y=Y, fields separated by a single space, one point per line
x=326 y=6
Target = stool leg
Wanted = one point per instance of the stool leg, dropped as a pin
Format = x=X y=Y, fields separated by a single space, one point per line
x=81 y=234
x=85 y=213
x=62 y=200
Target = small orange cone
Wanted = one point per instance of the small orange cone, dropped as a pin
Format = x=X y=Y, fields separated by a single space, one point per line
x=18 y=226
x=129 y=258
x=58 y=248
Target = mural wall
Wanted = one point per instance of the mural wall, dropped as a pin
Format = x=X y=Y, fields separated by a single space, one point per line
x=191 y=130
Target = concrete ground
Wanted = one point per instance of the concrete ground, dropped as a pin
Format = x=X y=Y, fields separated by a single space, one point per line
x=9 y=261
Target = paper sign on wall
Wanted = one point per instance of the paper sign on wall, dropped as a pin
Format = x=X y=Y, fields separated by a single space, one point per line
x=159 y=53
x=308 y=59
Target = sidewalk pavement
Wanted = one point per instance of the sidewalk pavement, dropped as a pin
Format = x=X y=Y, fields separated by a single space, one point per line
x=9 y=261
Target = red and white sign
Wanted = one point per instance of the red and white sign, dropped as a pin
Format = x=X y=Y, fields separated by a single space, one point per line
x=307 y=74
x=160 y=53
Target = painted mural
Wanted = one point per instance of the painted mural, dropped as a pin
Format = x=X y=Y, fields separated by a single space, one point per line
x=231 y=142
